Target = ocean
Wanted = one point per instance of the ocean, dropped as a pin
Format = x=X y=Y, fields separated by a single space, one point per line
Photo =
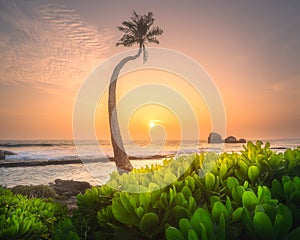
x=97 y=171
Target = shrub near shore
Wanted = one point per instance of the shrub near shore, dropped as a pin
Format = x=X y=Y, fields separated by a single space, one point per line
x=28 y=218
x=251 y=195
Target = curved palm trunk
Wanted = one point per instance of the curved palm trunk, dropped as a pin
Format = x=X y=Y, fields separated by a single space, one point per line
x=120 y=157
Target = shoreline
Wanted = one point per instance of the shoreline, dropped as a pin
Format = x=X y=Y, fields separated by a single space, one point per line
x=35 y=163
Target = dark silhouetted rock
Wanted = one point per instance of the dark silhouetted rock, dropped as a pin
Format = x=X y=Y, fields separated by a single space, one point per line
x=69 y=187
x=214 y=138
x=231 y=139
x=3 y=153
x=9 y=153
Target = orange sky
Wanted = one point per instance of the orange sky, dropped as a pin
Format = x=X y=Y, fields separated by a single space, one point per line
x=251 y=49
x=140 y=118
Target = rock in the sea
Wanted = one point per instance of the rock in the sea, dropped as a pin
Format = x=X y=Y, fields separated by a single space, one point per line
x=69 y=187
x=214 y=138
x=231 y=139
x=9 y=153
x=3 y=153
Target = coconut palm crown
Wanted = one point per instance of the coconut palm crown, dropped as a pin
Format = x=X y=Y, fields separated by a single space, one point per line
x=139 y=31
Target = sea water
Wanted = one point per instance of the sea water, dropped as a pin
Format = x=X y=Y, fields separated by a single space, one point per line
x=98 y=172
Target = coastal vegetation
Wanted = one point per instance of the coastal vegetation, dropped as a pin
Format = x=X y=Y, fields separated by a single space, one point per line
x=254 y=194
x=28 y=218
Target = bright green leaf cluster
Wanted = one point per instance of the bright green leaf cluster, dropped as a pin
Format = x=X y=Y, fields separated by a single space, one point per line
x=23 y=218
x=249 y=195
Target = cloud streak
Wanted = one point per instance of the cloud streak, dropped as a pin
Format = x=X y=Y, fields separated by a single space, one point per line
x=47 y=45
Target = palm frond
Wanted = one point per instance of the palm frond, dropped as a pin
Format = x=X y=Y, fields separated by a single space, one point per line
x=153 y=40
x=139 y=31
x=127 y=40
x=155 y=31
x=149 y=19
x=124 y=29
x=129 y=25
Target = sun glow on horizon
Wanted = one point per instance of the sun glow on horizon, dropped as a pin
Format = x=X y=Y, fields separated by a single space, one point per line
x=151 y=124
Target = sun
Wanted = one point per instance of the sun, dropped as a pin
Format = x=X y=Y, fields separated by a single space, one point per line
x=151 y=124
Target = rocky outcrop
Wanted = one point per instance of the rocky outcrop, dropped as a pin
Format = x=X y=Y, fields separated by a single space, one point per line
x=232 y=139
x=3 y=153
x=69 y=188
x=215 y=138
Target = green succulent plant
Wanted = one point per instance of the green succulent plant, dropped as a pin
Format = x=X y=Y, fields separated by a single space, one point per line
x=200 y=196
x=23 y=218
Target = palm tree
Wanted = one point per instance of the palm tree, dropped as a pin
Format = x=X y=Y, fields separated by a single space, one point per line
x=141 y=32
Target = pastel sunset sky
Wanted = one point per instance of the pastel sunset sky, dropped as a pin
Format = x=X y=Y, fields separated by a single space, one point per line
x=251 y=50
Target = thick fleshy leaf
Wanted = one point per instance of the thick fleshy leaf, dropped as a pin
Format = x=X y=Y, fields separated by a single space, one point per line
x=223 y=170
x=253 y=173
x=240 y=174
x=139 y=212
x=221 y=234
x=210 y=181
x=185 y=226
x=232 y=183
x=283 y=221
x=192 y=204
x=190 y=182
x=228 y=204
x=145 y=200
x=270 y=211
x=204 y=235
x=289 y=187
x=249 y=200
x=170 y=178
x=132 y=202
x=237 y=214
x=243 y=166
x=201 y=216
x=179 y=212
x=277 y=188
x=240 y=191
x=263 y=227
x=173 y=233
x=192 y=235
x=124 y=197
x=149 y=223
x=289 y=155
x=164 y=202
x=121 y=214
x=214 y=199
x=186 y=192
x=219 y=209
x=179 y=199
x=295 y=197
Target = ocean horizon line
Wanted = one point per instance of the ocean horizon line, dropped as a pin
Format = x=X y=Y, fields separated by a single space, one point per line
x=136 y=140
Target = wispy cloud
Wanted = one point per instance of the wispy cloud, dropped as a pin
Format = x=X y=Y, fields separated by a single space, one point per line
x=47 y=45
x=288 y=85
